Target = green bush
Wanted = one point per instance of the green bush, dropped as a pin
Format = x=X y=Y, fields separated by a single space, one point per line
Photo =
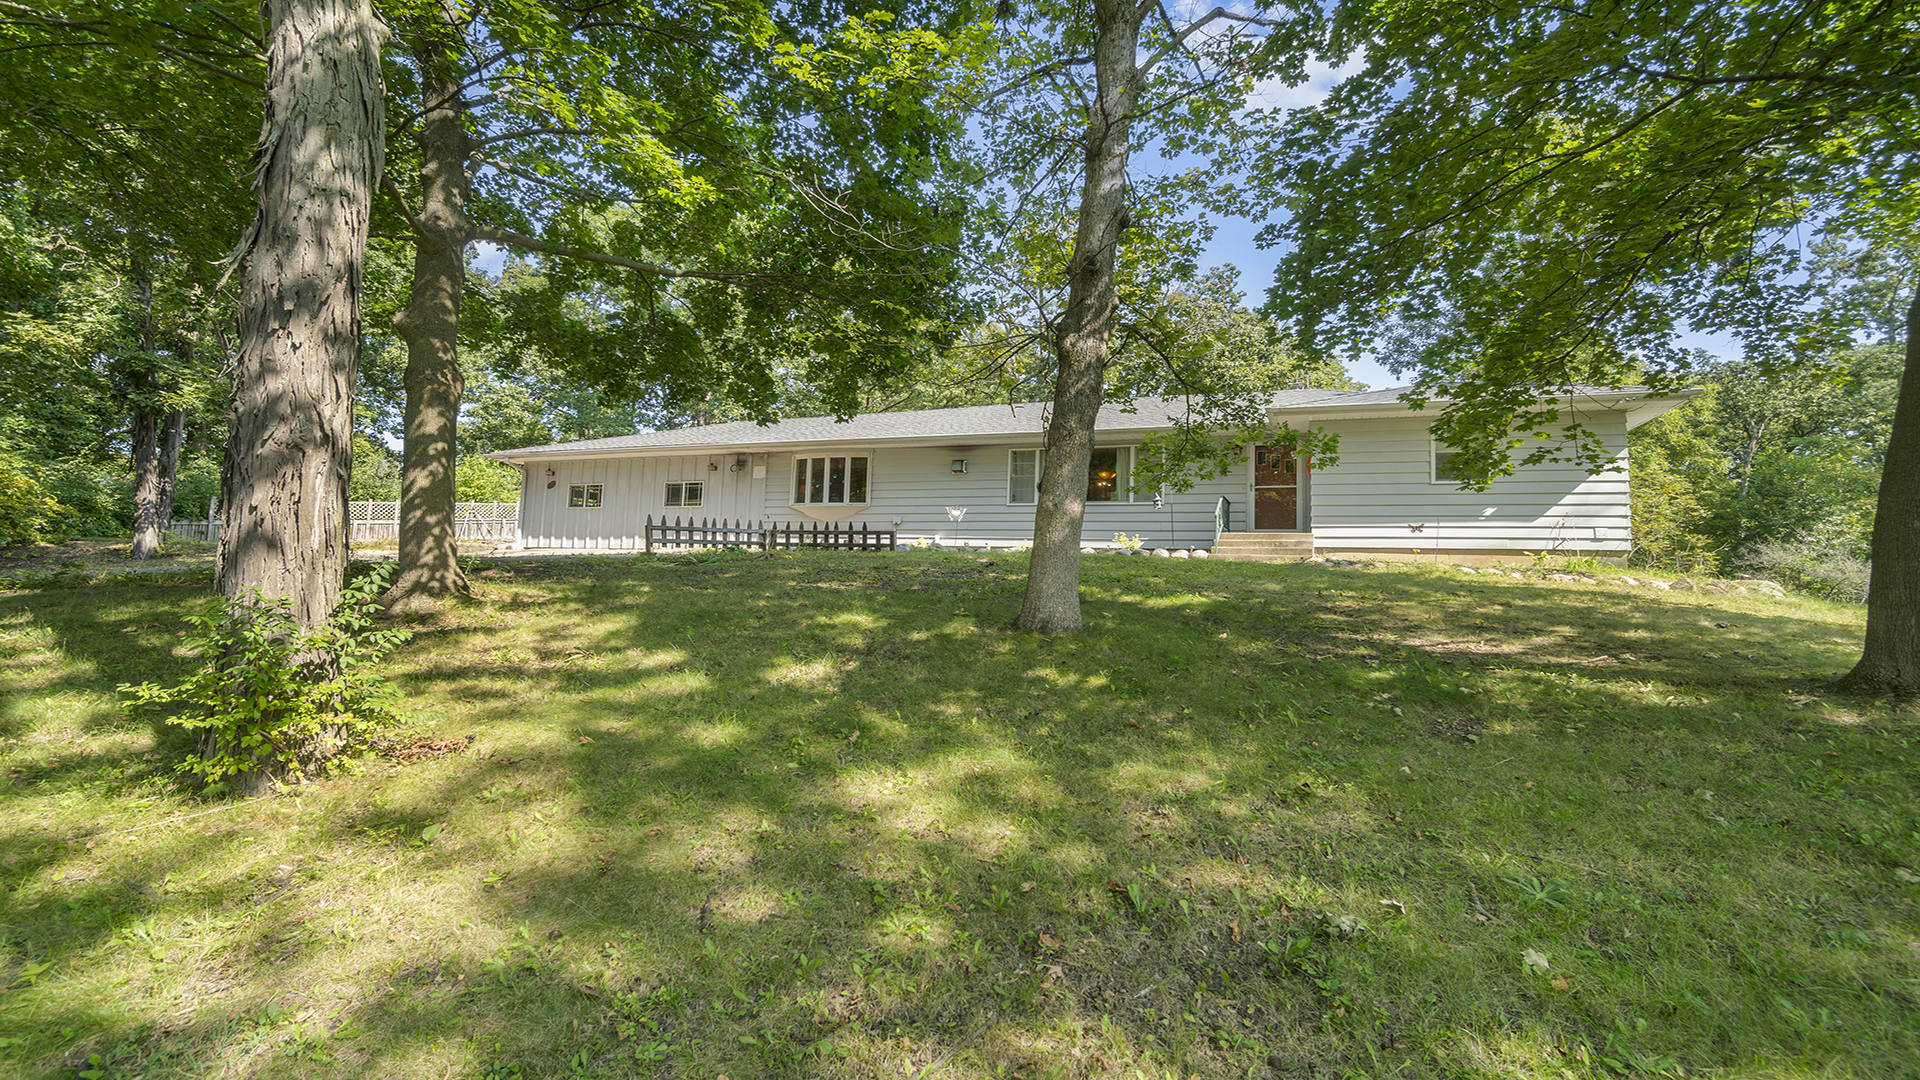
x=1823 y=568
x=271 y=696
x=27 y=510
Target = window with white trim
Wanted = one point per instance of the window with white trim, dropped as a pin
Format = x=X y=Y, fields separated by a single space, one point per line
x=1109 y=476
x=686 y=493
x=835 y=479
x=583 y=496
x=1444 y=469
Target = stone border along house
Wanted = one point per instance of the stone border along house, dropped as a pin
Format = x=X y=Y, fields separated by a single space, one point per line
x=966 y=477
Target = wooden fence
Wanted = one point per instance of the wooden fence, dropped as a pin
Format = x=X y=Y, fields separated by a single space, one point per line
x=716 y=533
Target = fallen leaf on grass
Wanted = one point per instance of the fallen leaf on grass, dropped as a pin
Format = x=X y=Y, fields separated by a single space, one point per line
x=1234 y=928
x=1054 y=972
x=1534 y=959
x=1395 y=904
x=1026 y=886
x=1563 y=983
x=584 y=740
x=1048 y=941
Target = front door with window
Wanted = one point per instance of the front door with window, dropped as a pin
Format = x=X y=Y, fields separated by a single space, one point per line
x=1276 y=488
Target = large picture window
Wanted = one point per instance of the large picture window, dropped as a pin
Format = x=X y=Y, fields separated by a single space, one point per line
x=1109 y=476
x=689 y=493
x=835 y=479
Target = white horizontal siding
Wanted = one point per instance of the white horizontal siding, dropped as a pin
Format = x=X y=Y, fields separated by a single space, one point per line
x=1368 y=501
x=632 y=489
x=1382 y=487
x=917 y=484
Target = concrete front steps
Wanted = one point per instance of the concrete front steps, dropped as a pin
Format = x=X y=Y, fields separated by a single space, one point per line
x=1264 y=546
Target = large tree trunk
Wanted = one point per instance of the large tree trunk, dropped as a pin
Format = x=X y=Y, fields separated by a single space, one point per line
x=172 y=434
x=1052 y=602
x=428 y=568
x=146 y=485
x=146 y=433
x=290 y=421
x=1890 y=661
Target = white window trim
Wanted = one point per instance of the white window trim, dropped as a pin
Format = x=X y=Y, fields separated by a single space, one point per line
x=1134 y=497
x=1434 y=449
x=792 y=477
x=683 y=504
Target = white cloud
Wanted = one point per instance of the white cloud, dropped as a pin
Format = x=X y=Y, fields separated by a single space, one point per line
x=1321 y=79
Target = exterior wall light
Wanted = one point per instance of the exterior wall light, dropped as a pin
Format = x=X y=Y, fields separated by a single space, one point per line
x=959 y=465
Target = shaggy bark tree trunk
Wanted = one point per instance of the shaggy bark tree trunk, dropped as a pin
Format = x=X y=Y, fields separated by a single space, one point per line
x=1890 y=660
x=290 y=421
x=1052 y=601
x=427 y=568
x=146 y=435
x=172 y=434
x=146 y=485
x=156 y=464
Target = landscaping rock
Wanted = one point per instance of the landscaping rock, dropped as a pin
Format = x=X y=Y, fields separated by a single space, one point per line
x=1663 y=586
x=1182 y=553
x=1202 y=553
x=1163 y=553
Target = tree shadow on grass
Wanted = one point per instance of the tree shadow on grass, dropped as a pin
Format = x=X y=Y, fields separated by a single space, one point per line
x=713 y=824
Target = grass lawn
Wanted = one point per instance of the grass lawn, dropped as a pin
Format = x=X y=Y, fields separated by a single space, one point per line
x=822 y=815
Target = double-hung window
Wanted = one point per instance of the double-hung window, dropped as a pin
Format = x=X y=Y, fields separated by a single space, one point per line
x=835 y=479
x=1109 y=476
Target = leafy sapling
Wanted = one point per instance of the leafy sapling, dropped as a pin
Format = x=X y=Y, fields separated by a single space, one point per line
x=270 y=698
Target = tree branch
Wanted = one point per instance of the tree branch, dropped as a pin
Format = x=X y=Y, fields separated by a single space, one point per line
x=525 y=133
x=393 y=190
x=210 y=66
x=496 y=235
x=1194 y=27
x=1728 y=80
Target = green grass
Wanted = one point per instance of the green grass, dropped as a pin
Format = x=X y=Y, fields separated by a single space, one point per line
x=824 y=816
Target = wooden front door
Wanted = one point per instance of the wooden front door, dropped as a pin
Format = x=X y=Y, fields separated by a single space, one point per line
x=1276 y=488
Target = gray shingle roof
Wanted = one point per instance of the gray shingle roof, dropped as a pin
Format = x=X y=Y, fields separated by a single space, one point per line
x=970 y=422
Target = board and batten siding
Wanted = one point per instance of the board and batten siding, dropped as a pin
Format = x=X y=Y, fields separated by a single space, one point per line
x=632 y=488
x=1383 y=487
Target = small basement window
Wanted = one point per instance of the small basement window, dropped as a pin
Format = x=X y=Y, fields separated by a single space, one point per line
x=583 y=495
x=689 y=493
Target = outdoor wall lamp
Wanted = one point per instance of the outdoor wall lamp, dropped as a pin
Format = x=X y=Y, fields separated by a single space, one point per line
x=738 y=464
x=549 y=472
x=711 y=467
x=959 y=465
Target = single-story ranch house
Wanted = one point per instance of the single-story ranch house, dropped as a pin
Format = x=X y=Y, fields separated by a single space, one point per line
x=968 y=476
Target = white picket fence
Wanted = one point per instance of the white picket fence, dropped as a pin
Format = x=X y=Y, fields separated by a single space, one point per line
x=379 y=522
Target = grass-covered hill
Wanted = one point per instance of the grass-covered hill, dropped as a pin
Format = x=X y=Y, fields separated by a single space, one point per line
x=825 y=816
